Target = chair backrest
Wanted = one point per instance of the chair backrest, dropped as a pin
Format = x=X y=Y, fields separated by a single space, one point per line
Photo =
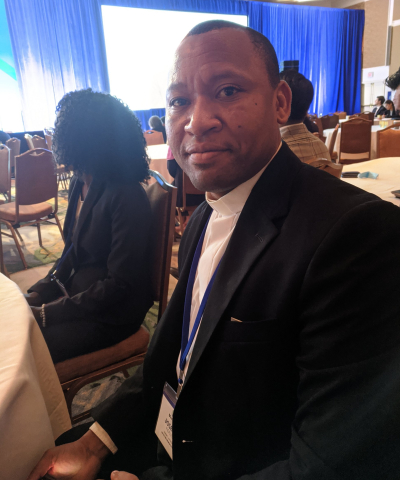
x=49 y=141
x=367 y=116
x=35 y=178
x=341 y=115
x=14 y=144
x=5 y=171
x=153 y=138
x=162 y=197
x=355 y=141
x=29 y=141
x=326 y=165
x=333 y=140
x=329 y=121
x=388 y=142
x=39 y=142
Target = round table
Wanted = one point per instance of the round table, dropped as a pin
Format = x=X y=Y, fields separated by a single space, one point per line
x=388 y=180
x=33 y=411
x=158 y=161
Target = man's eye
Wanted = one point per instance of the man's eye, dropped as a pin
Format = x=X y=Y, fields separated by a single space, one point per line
x=178 y=102
x=227 y=92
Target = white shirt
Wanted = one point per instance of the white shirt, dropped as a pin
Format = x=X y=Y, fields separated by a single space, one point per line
x=223 y=220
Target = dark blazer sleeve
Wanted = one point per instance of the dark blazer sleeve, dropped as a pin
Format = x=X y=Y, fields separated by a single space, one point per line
x=348 y=418
x=130 y=228
x=46 y=288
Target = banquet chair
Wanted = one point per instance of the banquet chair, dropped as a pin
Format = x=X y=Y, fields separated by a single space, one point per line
x=331 y=145
x=5 y=172
x=187 y=189
x=318 y=122
x=388 y=142
x=329 y=121
x=49 y=141
x=29 y=141
x=35 y=184
x=341 y=115
x=153 y=138
x=39 y=142
x=326 y=165
x=355 y=141
x=77 y=372
x=14 y=144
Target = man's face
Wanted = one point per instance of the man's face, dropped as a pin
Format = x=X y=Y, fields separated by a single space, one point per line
x=377 y=101
x=223 y=116
x=396 y=99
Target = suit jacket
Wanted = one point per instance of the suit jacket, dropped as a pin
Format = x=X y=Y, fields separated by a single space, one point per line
x=379 y=111
x=307 y=386
x=106 y=273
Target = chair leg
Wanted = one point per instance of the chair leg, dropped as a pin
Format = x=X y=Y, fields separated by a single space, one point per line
x=21 y=254
x=181 y=221
x=39 y=234
x=19 y=235
x=59 y=227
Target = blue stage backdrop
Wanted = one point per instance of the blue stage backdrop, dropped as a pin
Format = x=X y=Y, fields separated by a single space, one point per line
x=59 y=46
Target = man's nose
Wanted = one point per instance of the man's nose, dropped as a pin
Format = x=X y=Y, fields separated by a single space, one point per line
x=203 y=118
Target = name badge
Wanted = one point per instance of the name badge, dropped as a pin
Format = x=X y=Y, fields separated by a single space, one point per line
x=165 y=416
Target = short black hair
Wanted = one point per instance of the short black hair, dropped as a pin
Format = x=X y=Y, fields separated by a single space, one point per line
x=97 y=134
x=381 y=98
x=302 y=93
x=393 y=81
x=389 y=102
x=261 y=44
x=155 y=122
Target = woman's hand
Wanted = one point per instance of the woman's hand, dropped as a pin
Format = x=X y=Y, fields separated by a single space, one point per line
x=33 y=299
x=36 y=314
x=123 y=476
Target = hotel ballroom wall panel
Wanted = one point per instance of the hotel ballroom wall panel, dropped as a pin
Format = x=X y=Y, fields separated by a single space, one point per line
x=395 y=55
x=375 y=33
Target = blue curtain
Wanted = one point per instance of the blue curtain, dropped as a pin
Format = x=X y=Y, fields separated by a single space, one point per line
x=59 y=46
x=326 y=41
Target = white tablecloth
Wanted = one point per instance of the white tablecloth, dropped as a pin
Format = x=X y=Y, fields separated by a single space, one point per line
x=388 y=180
x=33 y=411
x=158 y=161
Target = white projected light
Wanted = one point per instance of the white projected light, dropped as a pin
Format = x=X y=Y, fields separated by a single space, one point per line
x=140 y=44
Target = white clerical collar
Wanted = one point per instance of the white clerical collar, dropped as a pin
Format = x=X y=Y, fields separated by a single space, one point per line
x=234 y=201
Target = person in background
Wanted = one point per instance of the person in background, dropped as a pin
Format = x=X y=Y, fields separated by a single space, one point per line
x=303 y=143
x=311 y=126
x=156 y=125
x=99 y=292
x=393 y=82
x=379 y=109
x=163 y=120
x=4 y=137
x=390 y=111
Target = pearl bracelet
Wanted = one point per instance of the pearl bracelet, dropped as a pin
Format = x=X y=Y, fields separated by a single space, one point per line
x=43 y=316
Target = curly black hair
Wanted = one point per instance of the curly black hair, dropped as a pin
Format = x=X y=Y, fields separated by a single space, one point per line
x=393 y=81
x=97 y=134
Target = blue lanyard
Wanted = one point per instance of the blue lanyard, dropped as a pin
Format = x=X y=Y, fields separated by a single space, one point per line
x=186 y=343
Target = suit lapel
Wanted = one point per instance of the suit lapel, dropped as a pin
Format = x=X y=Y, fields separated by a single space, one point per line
x=254 y=232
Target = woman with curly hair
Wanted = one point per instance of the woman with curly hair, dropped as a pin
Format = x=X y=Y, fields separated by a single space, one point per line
x=98 y=293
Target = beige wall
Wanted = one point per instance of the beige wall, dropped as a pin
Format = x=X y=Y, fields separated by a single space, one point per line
x=395 y=55
x=375 y=33
x=396 y=10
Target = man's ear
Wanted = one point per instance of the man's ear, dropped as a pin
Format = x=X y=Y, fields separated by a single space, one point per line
x=283 y=96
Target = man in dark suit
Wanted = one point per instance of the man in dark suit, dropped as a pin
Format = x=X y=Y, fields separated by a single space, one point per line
x=379 y=109
x=294 y=372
